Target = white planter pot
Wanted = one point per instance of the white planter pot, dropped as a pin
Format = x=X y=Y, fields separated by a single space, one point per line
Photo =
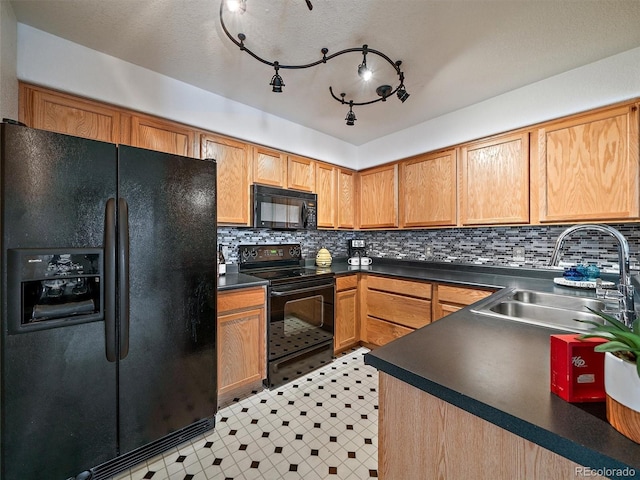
x=622 y=386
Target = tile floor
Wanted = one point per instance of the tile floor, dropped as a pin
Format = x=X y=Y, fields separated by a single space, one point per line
x=321 y=426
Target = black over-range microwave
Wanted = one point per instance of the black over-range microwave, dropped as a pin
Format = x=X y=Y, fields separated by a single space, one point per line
x=283 y=209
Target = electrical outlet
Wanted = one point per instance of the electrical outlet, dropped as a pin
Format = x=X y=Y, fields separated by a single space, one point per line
x=518 y=254
x=428 y=251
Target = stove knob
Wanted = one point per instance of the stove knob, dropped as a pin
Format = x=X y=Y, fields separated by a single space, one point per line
x=245 y=254
x=254 y=253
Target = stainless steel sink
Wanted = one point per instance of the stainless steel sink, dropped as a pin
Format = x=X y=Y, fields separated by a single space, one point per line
x=540 y=308
x=569 y=302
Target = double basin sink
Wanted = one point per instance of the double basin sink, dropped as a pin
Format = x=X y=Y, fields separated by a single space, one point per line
x=540 y=308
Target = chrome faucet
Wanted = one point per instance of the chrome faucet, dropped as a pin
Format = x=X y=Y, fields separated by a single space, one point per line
x=627 y=312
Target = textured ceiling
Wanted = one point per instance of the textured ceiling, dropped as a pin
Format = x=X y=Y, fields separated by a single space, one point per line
x=454 y=53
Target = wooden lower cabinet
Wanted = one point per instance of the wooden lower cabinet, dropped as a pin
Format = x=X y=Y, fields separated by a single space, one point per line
x=449 y=299
x=422 y=437
x=241 y=342
x=347 y=320
x=392 y=308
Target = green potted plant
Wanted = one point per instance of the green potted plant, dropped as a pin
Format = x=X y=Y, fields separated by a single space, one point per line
x=621 y=371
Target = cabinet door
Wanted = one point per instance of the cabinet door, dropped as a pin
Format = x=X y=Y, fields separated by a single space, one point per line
x=428 y=192
x=379 y=197
x=232 y=158
x=327 y=196
x=589 y=167
x=346 y=198
x=301 y=174
x=241 y=349
x=379 y=332
x=495 y=181
x=61 y=113
x=346 y=326
x=269 y=167
x=162 y=136
x=451 y=299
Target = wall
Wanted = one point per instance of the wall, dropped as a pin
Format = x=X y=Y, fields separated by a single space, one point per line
x=484 y=245
x=8 y=65
x=607 y=81
x=51 y=61
x=57 y=63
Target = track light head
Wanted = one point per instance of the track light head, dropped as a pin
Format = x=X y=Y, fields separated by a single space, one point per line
x=363 y=71
x=276 y=81
x=351 y=117
x=236 y=6
x=402 y=93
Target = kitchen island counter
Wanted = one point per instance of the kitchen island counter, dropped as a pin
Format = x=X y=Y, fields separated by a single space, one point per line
x=498 y=370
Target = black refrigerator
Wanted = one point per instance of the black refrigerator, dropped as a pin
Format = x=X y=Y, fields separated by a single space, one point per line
x=108 y=297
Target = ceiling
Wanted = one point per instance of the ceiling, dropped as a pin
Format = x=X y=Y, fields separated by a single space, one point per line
x=454 y=53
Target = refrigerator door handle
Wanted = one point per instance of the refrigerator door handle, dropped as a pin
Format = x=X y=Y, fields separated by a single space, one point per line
x=123 y=275
x=110 y=280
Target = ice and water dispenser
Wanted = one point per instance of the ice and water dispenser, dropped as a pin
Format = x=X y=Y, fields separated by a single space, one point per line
x=53 y=288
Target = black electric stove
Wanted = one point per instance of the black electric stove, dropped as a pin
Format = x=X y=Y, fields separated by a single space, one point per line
x=300 y=310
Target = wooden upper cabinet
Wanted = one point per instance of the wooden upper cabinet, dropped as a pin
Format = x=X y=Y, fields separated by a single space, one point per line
x=495 y=181
x=57 y=112
x=269 y=167
x=162 y=135
x=233 y=177
x=327 y=194
x=346 y=198
x=301 y=173
x=379 y=197
x=428 y=190
x=589 y=167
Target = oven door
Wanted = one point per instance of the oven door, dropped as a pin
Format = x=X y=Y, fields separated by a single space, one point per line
x=300 y=329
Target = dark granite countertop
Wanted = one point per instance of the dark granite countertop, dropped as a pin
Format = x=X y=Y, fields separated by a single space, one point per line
x=233 y=280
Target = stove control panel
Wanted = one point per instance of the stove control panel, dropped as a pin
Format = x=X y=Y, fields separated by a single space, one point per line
x=270 y=253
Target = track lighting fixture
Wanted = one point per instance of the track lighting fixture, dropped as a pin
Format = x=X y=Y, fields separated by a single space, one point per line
x=383 y=91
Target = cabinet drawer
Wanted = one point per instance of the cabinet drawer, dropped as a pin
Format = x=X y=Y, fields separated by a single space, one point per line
x=461 y=295
x=380 y=332
x=240 y=299
x=346 y=282
x=403 y=287
x=407 y=311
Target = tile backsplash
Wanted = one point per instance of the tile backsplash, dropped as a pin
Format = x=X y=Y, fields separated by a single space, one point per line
x=483 y=245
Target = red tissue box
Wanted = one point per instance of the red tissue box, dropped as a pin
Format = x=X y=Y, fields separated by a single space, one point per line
x=577 y=372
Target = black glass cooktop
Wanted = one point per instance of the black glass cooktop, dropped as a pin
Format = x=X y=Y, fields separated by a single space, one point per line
x=285 y=273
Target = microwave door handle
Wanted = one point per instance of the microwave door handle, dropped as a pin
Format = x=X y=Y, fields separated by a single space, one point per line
x=305 y=215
